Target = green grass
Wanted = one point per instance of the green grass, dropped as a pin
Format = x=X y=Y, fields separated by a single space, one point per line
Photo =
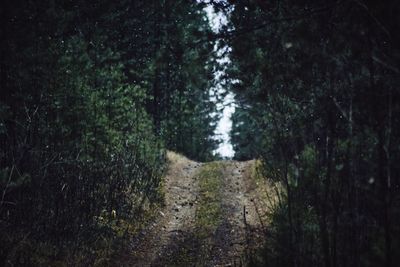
x=194 y=251
x=209 y=211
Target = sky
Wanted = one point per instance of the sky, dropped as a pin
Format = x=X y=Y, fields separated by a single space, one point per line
x=225 y=149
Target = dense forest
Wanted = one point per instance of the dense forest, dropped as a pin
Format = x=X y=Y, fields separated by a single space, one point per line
x=319 y=102
x=94 y=93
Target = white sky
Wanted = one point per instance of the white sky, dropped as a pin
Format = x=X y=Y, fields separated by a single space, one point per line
x=225 y=149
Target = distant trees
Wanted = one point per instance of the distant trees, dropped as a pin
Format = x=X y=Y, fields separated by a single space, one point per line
x=92 y=92
x=176 y=63
x=319 y=103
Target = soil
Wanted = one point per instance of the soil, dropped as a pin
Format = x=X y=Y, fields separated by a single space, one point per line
x=172 y=239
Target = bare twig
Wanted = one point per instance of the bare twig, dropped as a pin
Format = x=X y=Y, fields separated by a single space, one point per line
x=8 y=183
x=375 y=19
x=385 y=64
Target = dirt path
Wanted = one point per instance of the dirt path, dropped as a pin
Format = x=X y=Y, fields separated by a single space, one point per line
x=175 y=239
x=177 y=217
x=241 y=231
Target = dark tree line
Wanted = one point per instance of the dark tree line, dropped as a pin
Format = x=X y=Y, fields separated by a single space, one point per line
x=319 y=102
x=92 y=93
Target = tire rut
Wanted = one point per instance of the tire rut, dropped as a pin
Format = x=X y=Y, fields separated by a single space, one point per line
x=176 y=218
x=173 y=239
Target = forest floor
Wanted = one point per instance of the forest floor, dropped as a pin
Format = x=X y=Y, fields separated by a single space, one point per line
x=213 y=216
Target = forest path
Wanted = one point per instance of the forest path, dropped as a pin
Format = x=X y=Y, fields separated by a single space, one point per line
x=210 y=217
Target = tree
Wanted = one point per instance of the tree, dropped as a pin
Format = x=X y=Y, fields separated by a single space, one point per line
x=92 y=93
x=318 y=81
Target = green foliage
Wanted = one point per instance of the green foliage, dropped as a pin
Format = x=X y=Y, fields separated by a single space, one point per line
x=92 y=94
x=208 y=214
x=246 y=134
x=317 y=90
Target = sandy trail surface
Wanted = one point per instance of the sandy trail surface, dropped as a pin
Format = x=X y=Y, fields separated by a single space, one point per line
x=172 y=239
